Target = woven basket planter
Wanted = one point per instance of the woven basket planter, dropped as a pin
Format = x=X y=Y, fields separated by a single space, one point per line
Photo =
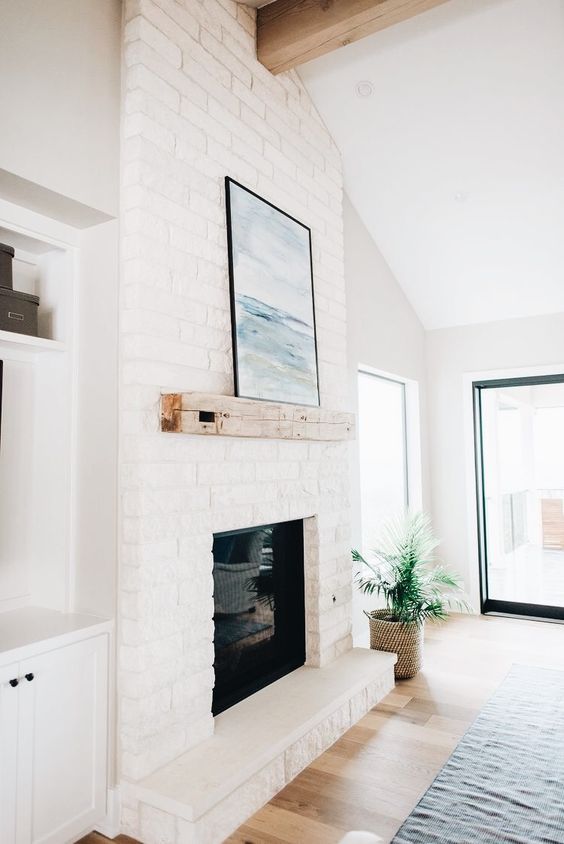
x=405 y=640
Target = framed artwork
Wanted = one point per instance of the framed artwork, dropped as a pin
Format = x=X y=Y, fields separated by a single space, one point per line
x=272 y=307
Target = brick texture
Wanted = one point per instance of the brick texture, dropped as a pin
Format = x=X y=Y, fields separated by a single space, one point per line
x=197 y=107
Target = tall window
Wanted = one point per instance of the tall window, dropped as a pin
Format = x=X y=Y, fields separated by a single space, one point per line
x=383 y=452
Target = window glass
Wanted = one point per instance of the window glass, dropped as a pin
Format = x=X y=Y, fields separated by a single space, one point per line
x=382 y=446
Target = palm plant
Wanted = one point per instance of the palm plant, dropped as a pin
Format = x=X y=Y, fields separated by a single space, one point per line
x=414 y=586
x=262 y=585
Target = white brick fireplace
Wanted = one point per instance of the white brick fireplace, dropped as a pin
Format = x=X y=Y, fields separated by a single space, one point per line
x=199 y=107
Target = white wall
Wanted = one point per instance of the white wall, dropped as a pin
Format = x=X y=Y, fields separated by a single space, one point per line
x=16 y=472
x=60 y=98
x=95 y=513
x=508 y=347
x=384 y=333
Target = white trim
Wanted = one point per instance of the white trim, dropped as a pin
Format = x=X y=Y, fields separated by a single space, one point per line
x=73 y=341
x=473 y=585
x=37 y=226
x=110 y=824
x=413 y=442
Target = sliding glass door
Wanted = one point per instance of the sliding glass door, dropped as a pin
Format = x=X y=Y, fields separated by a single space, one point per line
x=519 y=426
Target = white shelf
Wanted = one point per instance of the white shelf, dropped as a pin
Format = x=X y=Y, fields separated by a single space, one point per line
x=11 y=340
x=24 y=632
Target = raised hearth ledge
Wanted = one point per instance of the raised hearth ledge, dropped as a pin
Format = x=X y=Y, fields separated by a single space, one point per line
x=258 y=746
x=229 y=416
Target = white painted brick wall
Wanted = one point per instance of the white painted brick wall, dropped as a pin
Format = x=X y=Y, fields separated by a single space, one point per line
x=198 y=107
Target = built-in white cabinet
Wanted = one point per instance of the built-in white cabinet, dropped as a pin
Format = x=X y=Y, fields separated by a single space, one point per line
x=9 y=707
x=55 y=552
x=57 y=547
x=53 y=737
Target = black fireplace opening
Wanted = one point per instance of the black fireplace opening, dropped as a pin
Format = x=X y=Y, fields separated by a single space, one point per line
x=259 y=612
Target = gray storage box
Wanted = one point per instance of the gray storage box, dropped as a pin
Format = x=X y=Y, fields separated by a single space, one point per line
x=6 y=257
x=18 y=312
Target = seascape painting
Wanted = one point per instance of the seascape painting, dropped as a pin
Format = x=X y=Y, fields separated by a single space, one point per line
x=274 y=342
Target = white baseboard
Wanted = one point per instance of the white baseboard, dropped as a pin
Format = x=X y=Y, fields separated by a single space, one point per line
x=110 y=824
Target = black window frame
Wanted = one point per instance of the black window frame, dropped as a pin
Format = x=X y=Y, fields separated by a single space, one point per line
x=492 y=606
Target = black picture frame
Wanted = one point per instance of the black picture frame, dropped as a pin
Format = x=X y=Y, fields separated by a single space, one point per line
x=237 y=375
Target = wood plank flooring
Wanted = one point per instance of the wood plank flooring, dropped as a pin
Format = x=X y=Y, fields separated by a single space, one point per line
x=373 y=776
x=96 y=838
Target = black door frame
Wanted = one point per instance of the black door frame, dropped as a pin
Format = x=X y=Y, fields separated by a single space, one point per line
x=487 y=604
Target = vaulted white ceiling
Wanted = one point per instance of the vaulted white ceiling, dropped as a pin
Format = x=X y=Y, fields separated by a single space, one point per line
x=455 y=162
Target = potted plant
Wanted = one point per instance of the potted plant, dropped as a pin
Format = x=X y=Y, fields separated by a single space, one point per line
x=414 y=587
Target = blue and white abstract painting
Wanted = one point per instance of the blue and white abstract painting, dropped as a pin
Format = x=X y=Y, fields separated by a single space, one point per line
x=274 y=324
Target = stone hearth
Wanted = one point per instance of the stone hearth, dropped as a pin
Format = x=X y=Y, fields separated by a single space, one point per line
x=258 y=747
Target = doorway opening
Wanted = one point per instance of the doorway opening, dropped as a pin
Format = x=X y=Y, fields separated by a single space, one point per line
x=519 y=448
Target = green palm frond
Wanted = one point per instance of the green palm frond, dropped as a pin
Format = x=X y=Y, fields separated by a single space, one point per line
x=404 y=572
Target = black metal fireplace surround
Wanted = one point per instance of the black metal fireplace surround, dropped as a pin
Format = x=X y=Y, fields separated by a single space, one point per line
x=259 y=609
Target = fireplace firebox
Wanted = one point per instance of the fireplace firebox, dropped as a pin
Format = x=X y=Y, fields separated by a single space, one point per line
x=259 y=609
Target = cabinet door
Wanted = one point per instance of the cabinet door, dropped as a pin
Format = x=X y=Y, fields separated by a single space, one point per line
x=9 y=699
x=63 y=742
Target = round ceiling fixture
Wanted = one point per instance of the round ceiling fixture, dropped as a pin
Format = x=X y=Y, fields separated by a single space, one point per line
x=364 y=88
x=461 y=196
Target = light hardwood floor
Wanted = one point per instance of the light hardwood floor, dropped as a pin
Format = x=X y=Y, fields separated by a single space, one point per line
x=373 y=776
x=96 y=838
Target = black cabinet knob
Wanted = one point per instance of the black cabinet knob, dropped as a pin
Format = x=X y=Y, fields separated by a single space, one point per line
x=29 y=677
x=14 y=682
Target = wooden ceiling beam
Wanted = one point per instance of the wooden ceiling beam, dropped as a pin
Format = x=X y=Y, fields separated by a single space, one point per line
x=291 y=32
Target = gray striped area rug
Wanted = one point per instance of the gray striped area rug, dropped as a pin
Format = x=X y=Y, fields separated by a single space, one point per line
x=505 y=779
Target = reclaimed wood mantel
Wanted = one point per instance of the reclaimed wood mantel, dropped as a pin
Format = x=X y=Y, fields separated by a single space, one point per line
x=228 y=416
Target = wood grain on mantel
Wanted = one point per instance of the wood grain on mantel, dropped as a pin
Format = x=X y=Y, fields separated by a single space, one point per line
x=228 y=416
